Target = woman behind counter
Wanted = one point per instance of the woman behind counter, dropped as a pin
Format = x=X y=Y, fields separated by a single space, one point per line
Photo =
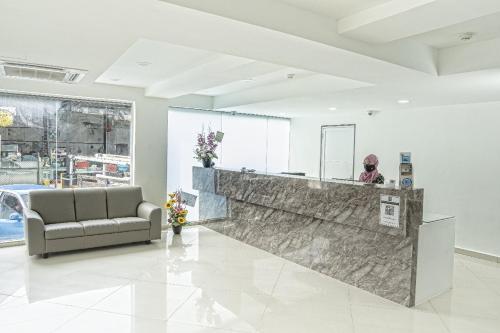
x=371 y=174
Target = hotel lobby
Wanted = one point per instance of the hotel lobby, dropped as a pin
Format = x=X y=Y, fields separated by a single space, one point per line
x=268 y=166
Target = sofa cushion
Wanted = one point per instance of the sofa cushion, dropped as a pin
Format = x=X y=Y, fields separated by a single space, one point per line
x=90 y=204
x=63 y=230
x=54 y=206
x=123 y=201
x=131 y=223
x=99 y=227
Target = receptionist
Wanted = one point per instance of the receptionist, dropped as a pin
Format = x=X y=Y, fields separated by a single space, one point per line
x=371 y=175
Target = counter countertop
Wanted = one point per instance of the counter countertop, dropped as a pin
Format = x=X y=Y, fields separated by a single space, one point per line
x=331 y=180
x=433 y=217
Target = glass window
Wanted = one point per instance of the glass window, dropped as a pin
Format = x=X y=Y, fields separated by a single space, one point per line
x=61 y=142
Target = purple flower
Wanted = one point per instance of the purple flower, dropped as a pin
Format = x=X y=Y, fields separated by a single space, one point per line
x=206 y=145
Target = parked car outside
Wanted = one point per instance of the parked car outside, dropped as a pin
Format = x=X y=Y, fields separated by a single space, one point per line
x=14 y=200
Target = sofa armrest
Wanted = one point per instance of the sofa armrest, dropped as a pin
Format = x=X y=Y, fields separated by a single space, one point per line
x=152 y=213
x=35 y=232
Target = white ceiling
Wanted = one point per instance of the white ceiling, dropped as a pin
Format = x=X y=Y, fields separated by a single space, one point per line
x=334 y=8
x=484 y=28
x=241 y=54
x=169 y=71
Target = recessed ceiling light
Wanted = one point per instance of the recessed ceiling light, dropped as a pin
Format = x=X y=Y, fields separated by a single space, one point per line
x=143 y=63
x=332 y=108
x=403 y=101
x=466 y=36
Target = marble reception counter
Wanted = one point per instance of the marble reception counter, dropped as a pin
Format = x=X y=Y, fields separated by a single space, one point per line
x=331 y=227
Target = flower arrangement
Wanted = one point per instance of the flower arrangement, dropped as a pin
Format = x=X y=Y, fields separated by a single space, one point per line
x=176 y=208
x=206 y=144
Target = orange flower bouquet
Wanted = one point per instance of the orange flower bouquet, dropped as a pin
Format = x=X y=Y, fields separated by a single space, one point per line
x=177 y=212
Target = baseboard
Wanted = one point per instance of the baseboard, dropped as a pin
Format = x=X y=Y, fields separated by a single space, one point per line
x=12 y=243
x=479 y=255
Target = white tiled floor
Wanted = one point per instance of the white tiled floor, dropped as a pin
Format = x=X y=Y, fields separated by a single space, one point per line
x=205 y=282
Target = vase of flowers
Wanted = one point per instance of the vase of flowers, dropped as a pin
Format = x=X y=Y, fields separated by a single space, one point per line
x=177 y=211
x=206 y=145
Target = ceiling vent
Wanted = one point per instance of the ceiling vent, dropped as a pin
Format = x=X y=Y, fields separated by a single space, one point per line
x=21 y=70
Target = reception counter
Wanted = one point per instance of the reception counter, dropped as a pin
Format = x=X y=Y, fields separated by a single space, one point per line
x=332 y=227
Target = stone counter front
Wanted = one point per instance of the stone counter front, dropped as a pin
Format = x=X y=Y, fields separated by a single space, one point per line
x=330 y=227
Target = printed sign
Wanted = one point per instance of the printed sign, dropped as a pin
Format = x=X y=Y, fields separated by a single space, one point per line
x=406 y=176
x=389 y=210
x=219 y=136
x=189 y=199
x=404 y=158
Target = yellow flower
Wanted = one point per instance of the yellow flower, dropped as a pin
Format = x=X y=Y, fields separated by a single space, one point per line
x=171 y=195
x=182 y=220
x=168 y=205
x=173 y=201
x=184 y=212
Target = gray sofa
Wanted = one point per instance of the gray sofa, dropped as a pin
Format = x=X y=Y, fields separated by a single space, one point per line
x=71 y=219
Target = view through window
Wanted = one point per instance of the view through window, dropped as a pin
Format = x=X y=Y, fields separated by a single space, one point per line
x=49 y=142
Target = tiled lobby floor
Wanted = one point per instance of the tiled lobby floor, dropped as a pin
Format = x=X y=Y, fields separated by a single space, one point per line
x=206 y=282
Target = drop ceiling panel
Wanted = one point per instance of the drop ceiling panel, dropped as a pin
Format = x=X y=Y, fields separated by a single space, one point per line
x=148 y=61
x=483 y=28
x=169 y=71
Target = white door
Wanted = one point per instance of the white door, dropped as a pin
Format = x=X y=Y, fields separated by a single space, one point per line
x=337 y=152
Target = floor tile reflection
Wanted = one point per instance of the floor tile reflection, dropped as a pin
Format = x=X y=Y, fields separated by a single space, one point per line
x=202 y=281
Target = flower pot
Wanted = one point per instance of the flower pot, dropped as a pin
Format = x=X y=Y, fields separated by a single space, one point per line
x=177 y=229
x=207 y=162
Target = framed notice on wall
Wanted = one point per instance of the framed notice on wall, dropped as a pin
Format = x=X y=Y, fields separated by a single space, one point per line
x=389 y=210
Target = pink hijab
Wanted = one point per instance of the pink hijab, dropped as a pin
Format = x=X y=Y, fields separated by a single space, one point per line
x=369 y=177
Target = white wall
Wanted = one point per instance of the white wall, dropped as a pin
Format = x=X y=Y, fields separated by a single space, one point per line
x=150 y=127
x=456 y=156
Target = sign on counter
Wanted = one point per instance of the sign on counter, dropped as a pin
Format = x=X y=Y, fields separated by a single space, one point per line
x=389 y=210
x=189 y=199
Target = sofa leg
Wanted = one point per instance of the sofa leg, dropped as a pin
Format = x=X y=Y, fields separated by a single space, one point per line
x=45 y=255
x=148 y=242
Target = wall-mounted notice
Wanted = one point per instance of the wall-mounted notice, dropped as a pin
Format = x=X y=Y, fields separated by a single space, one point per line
x=389 y=210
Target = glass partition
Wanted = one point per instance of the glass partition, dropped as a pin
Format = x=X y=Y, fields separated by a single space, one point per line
x=254 y=142
x=245 y=142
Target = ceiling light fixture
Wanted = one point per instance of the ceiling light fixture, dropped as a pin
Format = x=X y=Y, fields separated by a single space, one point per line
x=466 y=36
x=144 y=63
x=332 y=108
x=403 y=101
